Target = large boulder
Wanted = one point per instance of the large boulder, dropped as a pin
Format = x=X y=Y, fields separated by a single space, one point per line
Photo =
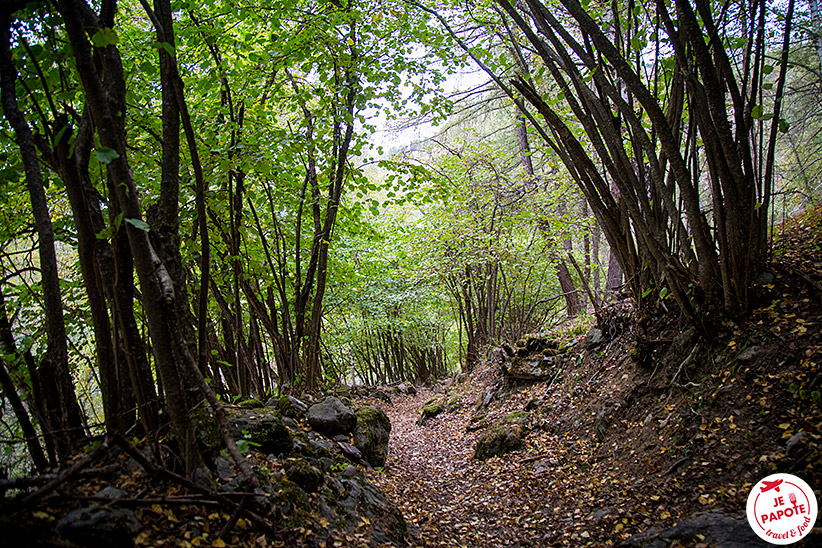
x=503 y=436
x=332 y=417
x=371 y=435
x=531 y=368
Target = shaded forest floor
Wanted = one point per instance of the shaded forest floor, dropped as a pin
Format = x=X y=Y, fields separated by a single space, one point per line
x=630 y=436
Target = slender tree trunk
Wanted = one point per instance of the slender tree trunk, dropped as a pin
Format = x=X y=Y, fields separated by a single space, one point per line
x=61 y=403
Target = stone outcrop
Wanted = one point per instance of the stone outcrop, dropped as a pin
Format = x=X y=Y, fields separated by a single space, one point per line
x=371 y=435
x=331 y=417
x=502 y=436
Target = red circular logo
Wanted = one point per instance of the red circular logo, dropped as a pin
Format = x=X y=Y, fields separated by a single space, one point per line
x=782 y=509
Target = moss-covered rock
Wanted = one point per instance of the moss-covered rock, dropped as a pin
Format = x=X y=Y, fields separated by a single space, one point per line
x=292 y=407
x=371 y=435
x=263 y=427
x=503 y=436
x=431 y=409
x=304 y=474
x=251 y=403
x=291 y=502
x=532 y=368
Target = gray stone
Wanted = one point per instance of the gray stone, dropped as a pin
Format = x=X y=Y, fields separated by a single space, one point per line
x=111 y=493
x=765 y=278
x=371 y=435
x=719 y=530
x=265 y=428
x=350 y=472
x=352 y=453
x=332 y=417
x=225 y=471
x=532 y=368
x=100 y=526
x=289 y=406
x=431 y=409
x=795 y=443
x=406 y=389
x=594 y=338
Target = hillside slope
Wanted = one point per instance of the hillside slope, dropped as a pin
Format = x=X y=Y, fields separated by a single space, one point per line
x=627 y=436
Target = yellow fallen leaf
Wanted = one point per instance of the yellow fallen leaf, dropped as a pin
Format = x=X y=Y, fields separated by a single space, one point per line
x=785 y=425
x=219 y=543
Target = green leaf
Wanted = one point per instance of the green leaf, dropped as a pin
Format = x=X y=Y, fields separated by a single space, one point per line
x=105 y=37
x=767 y=69
x=106 y=155
x=783 y=125
x=756 y=112
x=138 y=223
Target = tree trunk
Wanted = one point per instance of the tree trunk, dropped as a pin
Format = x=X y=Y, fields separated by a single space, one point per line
x=61 y=403
x=155 y=283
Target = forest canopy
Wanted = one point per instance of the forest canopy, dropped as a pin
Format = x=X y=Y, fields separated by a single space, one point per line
x=207 y=202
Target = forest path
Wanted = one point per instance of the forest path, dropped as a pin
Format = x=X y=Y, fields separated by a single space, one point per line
x=450 y=499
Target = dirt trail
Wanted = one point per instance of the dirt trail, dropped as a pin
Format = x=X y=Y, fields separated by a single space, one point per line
x=448 y=498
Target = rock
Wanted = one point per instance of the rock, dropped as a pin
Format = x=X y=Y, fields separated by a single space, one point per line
x=683 y=343
x=224 y=468
x=718 y=530
x=502 y=437
x=251 y=403
x=371 y=435
x=350 y=472
x=487 y=397
x=430 y=409
x=304 y=474
x=323 y=447
x=352 y=453
x=332 y=417
x=263 y=427
x=748 y=354
x=509 y=350
x=289 y=406
x=496 y=356
x=290 y=501
x=795 y=443
x=406 y=389
x=539 y=368
x=380 y=395
x=477 y=422
x=594 y=338
x=111 y=493
x=765 y=278
x=100 y=526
